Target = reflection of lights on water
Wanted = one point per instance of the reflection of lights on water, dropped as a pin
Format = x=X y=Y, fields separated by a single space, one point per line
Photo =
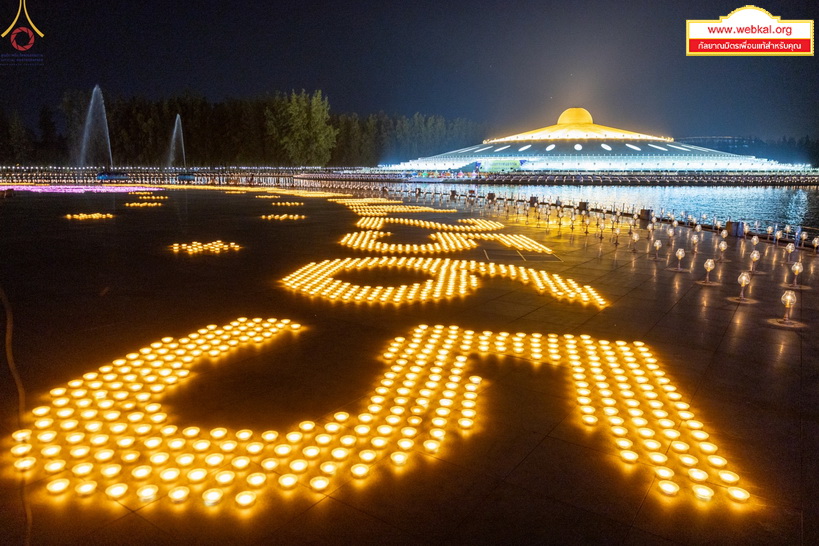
x=309 y=193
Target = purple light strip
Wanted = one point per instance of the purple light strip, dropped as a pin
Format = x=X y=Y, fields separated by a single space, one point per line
x=78 y=188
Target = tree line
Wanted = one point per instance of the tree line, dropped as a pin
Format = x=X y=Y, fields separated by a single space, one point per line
x=280 y=129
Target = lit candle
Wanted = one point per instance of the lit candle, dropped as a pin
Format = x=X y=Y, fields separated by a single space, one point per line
x=628 y=456
x=738 y=494
x=212 y=497
x=728 y=477
x=432 y=445
x=270 y=464
x=697 y=475
x=257 y=479
x=141 y=472
x=245 y=498
x=288 y=481
x=147 y=493
x=664 y=472
x=86 y=488
x=240 y=463
x=116 y=491
x=703 y=492
x=179 y=494
x=25 y=463
x=82 y=469
x=56 y=487
x=398 y=458
x=225 y=477
x=668 y=487
x=298 y=465
x=197 y=475
x=319 y=483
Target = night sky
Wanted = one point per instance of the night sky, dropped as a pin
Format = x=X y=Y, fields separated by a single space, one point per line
x=514 y=65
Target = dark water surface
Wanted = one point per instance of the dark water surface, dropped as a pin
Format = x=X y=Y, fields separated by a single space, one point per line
x=767 y=205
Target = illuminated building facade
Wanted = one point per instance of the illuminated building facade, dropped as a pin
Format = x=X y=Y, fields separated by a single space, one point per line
x=577 y=144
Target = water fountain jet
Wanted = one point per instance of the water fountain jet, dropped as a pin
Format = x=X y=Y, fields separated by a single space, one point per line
x=177 y=146
x=177 y=149
x=95 y=148
x=96 y=143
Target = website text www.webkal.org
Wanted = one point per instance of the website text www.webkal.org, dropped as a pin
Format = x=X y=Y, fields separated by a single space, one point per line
x=750 y=38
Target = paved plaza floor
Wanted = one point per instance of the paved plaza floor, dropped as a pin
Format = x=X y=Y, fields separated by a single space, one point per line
x=505 y=413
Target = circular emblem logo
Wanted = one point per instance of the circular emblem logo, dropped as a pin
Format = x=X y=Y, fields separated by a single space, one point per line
x=22 y=39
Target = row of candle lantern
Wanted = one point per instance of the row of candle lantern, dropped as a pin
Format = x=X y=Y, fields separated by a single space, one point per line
x=214 y=247
x=283 y=217
x=90 y=216
x=464 y=224
x=143 y=204
x=445 y=242
x=451 y=278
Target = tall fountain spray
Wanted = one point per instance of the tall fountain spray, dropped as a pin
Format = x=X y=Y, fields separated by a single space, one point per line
x=177 y=144
x=96 y=143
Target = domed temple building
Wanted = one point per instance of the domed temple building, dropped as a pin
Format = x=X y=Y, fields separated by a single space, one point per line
x=577 y=144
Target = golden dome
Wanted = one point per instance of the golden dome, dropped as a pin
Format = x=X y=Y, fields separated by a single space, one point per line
x=574 y=115
x=577 y=124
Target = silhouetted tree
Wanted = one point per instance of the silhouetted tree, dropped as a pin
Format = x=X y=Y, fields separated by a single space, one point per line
x=74 y=107
x=5 y=145
x=273 y=129
x=20 y=140
x=304 y=129
x=48 y=146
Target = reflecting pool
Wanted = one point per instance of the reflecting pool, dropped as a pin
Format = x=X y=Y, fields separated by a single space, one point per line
x=768 y=205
